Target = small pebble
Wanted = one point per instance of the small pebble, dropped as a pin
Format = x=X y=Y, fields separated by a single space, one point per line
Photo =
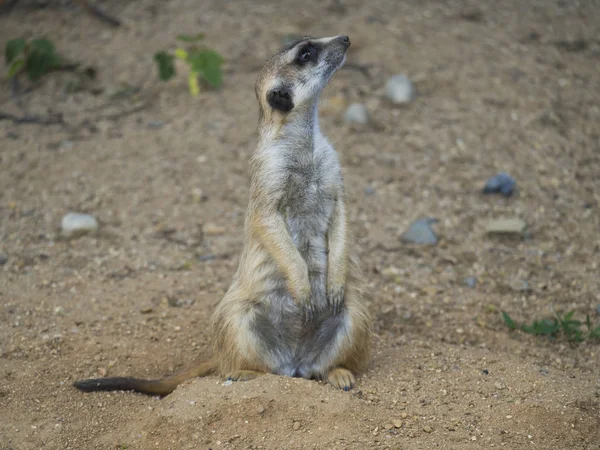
x=485 y=372
x=471 y=282
x=499 y=385
x=356 y=113
x=74 y=224
x=296 y=426
x=420 y=232
x=155 y=124
x=227 y=383
x=369 y=190
x=519 y=285
x=502 y=183
x=506 y=226
x=427 y=429
x=211 y=229
x=397 y=423
x=3 y=260
x=400 y=90
x=404 y=415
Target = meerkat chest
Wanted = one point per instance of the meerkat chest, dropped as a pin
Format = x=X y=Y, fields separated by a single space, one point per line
x=310 y=198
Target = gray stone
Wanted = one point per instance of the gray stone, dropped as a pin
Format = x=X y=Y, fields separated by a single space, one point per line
x=519 y=285
x=75 y=224
x=369 y=190
x=471 y=282
x=155 y=124
x=400 y=90
x=3 y=260
x=506 y=226
x=356 y=113
x=420 y=232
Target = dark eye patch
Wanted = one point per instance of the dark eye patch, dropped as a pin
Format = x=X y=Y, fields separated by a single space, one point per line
x=307 y=53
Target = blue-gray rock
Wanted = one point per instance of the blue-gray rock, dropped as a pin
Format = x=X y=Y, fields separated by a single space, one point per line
x=75 y=224
x=502 y=183
x=357 y=113
x=3 y=260
x=471 y=282
x=369 y=190
x=400 y=90
x=155 y=124
x=598 y=309
x=420 y=232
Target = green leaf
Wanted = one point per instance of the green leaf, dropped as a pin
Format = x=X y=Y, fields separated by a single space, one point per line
x=508 y=321
x=213 y=75
x=42 y=59
x=14 y=48
x=166 y=65
x=208 y=63
x=15 y=67
x=191 y=38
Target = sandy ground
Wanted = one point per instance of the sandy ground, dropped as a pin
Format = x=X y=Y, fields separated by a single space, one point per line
x=504 y=86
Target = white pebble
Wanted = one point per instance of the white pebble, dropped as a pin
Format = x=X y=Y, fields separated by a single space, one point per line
x=399 y=89
x=357 y=113
x=77 y=223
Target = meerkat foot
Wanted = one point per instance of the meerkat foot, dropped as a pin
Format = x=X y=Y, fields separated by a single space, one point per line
x=244 y=375
x=341 y=378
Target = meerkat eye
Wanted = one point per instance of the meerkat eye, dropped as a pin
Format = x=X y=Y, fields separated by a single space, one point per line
x=306 y=54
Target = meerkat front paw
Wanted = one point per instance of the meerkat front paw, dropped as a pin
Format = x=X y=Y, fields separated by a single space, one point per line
x=341 y=378
x=335 y=299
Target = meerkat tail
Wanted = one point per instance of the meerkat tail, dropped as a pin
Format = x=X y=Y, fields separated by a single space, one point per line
x=160 y=387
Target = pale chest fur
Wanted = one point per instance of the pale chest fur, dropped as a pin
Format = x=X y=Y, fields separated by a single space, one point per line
x=311 y=190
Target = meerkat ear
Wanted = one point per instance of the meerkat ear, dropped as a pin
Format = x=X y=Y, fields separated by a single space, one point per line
x=280 y=99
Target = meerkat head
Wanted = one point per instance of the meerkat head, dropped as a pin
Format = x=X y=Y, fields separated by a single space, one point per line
x=296 y=75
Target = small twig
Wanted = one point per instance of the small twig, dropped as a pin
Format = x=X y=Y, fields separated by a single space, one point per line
x=49 y=120
x=98 y=12
x=124 y=113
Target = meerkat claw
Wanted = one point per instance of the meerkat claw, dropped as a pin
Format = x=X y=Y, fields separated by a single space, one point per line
x=336 y=300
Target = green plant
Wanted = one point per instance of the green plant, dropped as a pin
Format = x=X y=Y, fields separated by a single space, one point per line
x=35 y=57
x=556 y=326
x=203 y=62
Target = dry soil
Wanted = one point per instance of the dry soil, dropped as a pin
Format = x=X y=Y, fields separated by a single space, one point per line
x=503 y=86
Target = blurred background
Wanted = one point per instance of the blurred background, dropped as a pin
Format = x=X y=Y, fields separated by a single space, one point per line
x=469 y=137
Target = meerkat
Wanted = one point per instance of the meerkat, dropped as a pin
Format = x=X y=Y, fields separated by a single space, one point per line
x=296 y=305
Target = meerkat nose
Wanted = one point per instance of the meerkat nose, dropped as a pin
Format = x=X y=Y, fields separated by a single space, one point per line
x=345 y=40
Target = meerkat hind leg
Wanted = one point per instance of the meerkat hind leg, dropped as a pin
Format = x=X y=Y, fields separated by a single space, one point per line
x=244 y=375
x=341 y=378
